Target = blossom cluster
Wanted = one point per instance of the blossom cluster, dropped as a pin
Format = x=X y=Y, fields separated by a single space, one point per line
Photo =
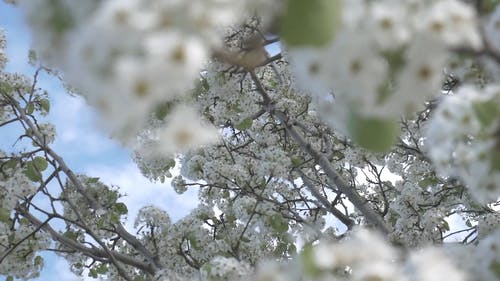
x=378 y=64
x=463 y=140
x=159 y=60
x=362 y=255
x=23 y=262
x=99 y=206
x=365 y=256
x=20 y=238
x=264 y=192
x=15 y=187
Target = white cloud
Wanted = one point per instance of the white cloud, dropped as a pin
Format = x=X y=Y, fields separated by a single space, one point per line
x=76 y=123
x=57 y=266
x=63 y=271
x=141 y=192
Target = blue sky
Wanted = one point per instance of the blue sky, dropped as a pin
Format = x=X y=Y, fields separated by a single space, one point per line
x=83 y=146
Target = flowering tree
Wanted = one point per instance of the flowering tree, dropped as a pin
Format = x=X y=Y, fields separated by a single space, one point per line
x=367 y=148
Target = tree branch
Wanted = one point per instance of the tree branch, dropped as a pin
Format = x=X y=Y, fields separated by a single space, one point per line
x=90 y=252
x=80 y=188
x=359 y=202
x=326 y=204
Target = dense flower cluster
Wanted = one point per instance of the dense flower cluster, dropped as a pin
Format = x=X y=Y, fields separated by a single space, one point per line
x=166 y=45
x=462 y=139
x=14 y=187
x=99 y=207
x=24 y=262
x=270 y=141
x=379 y=65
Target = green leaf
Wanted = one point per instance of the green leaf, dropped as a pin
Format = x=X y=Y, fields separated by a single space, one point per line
x=162 y=110
x=121 y=208
x=71 y=235
x=338 y=155
x=6 y=88
x=395 y=58
x=310 y=23
x=308 y=261
x=60 y=18
x=101 y=221
x=446 y=226
x=10 y=164
x=112 y=195
x=245 y=239
x=278 y=223
x=113 y=218
x=374 y=134
x=11 y=238
x=93 y=180
x=384 y=92
x=207 y=267
x=45 y=105
x=429 y=181
x=170 y=163
x=40 y=163
x=489 y=6
x=495 y=268
x=245 y=124
x=393 y=219
x=4 y=215
x=102 y=268
x=297 y=161
x=486 y=112
x=194 y=242
x=32 y=57
x=9 y=278
x=31 y=172
x=92 y=273
x=230 y=219
x=280 y=249
x=30 y=108
x=204 y=83
x=201 y=87
x=38 y=261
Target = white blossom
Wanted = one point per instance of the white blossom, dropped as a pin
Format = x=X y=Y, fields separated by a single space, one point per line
x=430 y=264
x=184 y=130
x=452 y=21
x=461 y=142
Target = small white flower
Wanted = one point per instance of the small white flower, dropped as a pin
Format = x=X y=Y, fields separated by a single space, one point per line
x=389 y=24
x=310 y=67
x=184 y=130
x=421 y=76
x=430 y=264
x=452 y=21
